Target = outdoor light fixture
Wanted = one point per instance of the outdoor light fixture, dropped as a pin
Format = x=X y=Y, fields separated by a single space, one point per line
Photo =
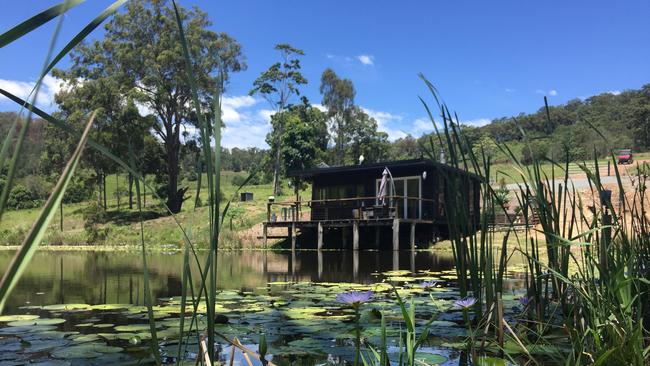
x=424 y=174
x=361 y=159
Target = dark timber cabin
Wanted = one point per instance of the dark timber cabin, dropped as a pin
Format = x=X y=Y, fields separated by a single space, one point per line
x=349 y=201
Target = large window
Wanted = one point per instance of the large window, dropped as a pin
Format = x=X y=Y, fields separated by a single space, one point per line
x=408 y=196
x=340 y=191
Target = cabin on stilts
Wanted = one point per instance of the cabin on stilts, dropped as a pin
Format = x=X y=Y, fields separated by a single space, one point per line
x=387 y=205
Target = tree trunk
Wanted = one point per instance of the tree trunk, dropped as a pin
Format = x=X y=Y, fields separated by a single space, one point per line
x=117 y=190
x=99 y=189
x=130 y=191
x=144 y=190
x=276 y=170
x=104 y=189
x=174 y=195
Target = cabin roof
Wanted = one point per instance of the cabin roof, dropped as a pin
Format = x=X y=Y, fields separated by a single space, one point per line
x=410 y=163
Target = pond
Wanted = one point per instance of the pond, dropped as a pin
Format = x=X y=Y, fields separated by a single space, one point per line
x=86 y=307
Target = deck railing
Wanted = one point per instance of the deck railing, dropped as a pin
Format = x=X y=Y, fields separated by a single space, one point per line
x=353 y=208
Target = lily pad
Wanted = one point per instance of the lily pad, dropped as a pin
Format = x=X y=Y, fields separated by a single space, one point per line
x=67 y=307
x=14 y=318
x=132 y=328
x=39 y=321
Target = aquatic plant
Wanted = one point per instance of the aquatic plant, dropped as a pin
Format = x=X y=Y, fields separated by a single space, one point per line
x=355 y=299
x=465 y=303
x=429 y=285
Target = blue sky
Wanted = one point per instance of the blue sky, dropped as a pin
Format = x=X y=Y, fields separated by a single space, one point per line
x=488 y=59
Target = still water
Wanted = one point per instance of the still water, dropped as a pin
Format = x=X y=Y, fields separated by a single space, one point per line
x=101 y=277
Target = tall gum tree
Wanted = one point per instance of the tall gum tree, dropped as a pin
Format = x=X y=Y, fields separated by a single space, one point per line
x=278 y=85
x=338 y=97
x=141 y=51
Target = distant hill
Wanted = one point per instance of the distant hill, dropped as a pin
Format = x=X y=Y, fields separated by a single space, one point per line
x=623 y=118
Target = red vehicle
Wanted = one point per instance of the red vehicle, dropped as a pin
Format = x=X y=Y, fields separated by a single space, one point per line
x=625 y=156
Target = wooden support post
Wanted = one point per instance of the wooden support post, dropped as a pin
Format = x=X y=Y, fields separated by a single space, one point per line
x=320 y=235
x=412 y=236
x=355 y=235
x=395 y=234
x=293 y=236
x=355 y=265
x=412 y=261
x=265 y=231
x=395 y=260
x=320 y=263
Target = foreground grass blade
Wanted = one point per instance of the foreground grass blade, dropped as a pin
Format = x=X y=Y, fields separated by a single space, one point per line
x=36 y=21
x=145 y=272
x=33 y=239
x=25 y=126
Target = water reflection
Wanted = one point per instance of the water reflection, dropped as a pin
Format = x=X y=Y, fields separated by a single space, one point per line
x=97 y=277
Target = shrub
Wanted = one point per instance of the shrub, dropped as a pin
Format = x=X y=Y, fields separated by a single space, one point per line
x=80 y=188
x=94 y=215
x=13 y=237
x=192 y=177
x=238 y=180
x=21 y=197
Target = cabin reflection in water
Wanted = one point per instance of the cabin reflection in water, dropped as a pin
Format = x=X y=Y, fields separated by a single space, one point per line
x=386 y=205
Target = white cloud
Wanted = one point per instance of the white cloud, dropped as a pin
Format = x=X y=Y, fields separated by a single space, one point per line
x=478 y=122
x=551 y=92
x=246 y=125
x=614 y=92
x=368 y=60
x=49 y=87
x=388 y=122
x=320 y=107
x=509 y=90
x=421 y=126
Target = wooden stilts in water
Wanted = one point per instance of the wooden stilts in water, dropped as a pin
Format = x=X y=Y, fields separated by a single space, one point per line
x=265 y=231
x=412 y=236
x=395 y=234
x=293 y=236
x=320 y=235
x=355 y=235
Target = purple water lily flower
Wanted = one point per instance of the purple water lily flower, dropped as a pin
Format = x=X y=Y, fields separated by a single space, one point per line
x=428 y=285
x=465 y=303
x=524 y=300
x=354 y=297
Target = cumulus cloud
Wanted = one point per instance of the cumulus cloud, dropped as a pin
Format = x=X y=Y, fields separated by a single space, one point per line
x=510 y=90
x=368 y=60
x=478 y=122
x=320 y=107
x=389 y=123
x=49 y=87
x=551 y=92
x=614 y=92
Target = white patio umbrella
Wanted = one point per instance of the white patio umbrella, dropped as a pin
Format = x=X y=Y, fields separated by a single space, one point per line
x=383 y=187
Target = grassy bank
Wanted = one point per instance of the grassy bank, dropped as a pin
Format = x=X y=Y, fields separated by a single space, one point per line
x=122 y=227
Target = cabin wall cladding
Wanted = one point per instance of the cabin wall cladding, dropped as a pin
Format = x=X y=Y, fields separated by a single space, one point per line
x=347 y=212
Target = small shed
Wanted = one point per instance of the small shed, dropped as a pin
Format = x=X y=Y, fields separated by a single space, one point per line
x=245 y=196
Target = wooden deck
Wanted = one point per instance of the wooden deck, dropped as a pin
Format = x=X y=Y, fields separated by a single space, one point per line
x=321 y=226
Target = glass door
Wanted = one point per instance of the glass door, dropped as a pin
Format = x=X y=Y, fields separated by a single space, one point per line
x=413 y=198
x=407 y=196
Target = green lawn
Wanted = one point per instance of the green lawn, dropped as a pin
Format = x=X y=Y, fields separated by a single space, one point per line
x=160 y=229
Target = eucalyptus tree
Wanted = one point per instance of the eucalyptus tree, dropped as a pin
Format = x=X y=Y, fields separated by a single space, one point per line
x=278 y=85
x=141 y=53
x=338 y=97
